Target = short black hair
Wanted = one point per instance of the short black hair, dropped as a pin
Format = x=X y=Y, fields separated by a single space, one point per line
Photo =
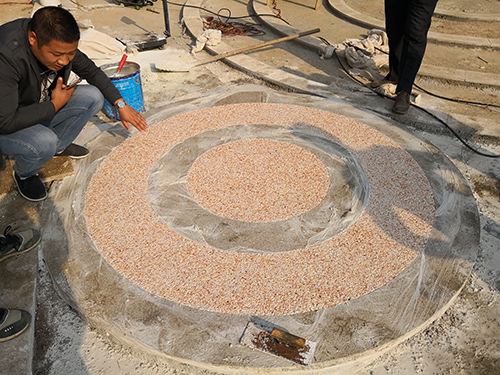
x=54 y=23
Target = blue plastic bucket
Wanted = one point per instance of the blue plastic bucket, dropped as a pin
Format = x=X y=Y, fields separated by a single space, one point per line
x=128 y=82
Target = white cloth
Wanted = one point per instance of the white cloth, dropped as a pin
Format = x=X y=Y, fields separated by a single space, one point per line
x=363 y=55
x=209 y=37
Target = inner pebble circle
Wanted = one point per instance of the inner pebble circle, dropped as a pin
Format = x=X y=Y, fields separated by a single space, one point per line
x=258 y=180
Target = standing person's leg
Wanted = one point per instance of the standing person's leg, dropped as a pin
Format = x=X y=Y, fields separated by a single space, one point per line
x=395 y=20
x=415 y=41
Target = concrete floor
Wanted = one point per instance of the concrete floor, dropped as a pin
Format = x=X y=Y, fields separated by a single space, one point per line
x=182 y=94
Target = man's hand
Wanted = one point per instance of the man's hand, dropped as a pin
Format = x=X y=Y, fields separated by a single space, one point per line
x=128 y=115
x=60 y=95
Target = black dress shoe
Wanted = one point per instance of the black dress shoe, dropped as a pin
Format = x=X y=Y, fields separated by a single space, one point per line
x=31 y=188
x=402 y=103
x=74 y=151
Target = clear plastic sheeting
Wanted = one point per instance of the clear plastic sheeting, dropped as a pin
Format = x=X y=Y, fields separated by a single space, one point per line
x=344 y=201
x=347 y=334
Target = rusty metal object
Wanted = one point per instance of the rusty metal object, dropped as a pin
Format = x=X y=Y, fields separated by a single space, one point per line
x=280 y=343
x=288 y=338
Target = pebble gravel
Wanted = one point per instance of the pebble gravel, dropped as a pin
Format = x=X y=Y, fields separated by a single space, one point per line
x=377 y=247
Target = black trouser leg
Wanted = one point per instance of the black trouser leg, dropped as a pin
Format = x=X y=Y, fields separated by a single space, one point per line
x=395 y=18
x=415 y=41
x=408 y=41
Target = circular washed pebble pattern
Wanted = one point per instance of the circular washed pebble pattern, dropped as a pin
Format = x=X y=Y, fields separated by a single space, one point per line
x=258 y=180
x=377 y=247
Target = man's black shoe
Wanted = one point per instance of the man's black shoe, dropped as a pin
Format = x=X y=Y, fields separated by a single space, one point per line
x=402 y=103
x=31 y=188
x=74 y=151
x=13 y=322
x=18 y=243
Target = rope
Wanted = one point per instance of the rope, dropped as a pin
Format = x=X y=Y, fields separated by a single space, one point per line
x=275 y=7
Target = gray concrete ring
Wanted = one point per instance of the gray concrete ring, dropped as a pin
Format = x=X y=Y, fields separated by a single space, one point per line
x=345 y=199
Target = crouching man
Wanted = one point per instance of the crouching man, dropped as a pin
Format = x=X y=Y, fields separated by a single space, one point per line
x=40 y=116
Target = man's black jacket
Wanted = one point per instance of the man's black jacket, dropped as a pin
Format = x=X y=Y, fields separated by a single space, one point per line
x=20 y=81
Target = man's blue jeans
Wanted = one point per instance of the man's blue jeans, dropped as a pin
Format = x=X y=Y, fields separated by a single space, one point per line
x=36 y=145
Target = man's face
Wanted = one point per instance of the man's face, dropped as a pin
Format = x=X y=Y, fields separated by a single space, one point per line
x=54 y=55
